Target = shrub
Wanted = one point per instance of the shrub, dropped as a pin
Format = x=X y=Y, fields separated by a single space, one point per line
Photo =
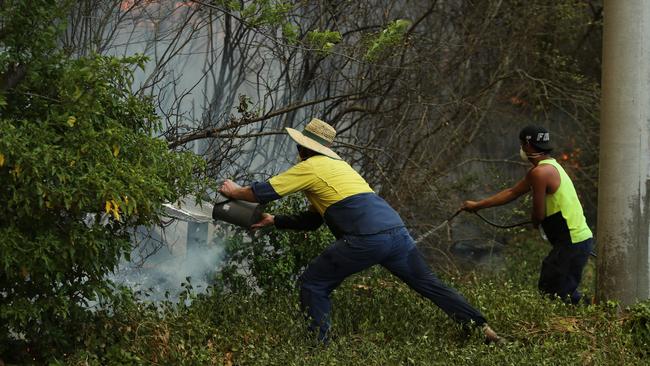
x=638 y=324
x=377 y=320
x=272 y=259
x=79 y=166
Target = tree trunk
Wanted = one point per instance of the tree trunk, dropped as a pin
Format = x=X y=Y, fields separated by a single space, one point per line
x=624 y=185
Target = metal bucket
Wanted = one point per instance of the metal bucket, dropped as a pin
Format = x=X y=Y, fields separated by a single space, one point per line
x=240 y=213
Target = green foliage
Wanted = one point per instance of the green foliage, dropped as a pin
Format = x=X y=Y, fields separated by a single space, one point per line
x=275 y=258
x=323 y=41
x=266 y=12
x=638 y=324
x=377 y=320
x=387 y=39
x=290 y=32
x=260 y=13
x=30 y=29
x=78 y=167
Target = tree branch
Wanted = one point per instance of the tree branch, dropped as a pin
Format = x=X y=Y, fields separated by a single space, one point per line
x=214 y=132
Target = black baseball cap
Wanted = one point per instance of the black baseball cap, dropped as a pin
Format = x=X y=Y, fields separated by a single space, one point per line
x=537 y=136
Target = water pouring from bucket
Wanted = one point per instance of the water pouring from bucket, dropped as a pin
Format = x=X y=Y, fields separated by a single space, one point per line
x=186 y=209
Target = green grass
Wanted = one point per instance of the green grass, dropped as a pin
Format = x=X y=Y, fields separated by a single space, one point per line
x=377 y=320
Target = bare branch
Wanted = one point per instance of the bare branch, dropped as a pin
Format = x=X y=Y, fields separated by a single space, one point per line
x=243 y=122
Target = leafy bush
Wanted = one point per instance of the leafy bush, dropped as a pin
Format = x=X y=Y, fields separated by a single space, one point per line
x=377 y=320
x=638 y=324
x=79 y=166
x=273 y=259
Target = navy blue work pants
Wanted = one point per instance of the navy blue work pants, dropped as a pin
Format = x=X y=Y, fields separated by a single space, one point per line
x=393 y=249
x=562 y=270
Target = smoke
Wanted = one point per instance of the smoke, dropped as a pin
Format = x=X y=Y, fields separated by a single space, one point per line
x=157 y=281
x=163 y=259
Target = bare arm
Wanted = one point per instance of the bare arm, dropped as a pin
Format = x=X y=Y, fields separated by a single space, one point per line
x=501 y=198
x=539 y=180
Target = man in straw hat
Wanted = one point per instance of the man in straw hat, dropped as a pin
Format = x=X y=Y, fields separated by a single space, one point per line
x=556 y=208
x=367 y=229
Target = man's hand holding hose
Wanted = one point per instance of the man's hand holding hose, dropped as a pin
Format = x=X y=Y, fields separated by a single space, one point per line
x=470 y=206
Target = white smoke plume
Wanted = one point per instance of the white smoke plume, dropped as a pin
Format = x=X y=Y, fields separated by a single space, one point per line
x=187 y=250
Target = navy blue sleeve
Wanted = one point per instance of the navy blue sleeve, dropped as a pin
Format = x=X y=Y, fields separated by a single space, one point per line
x=264 y=192
x=307 y=220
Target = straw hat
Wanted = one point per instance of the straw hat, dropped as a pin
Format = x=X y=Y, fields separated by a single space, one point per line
x=317 y=136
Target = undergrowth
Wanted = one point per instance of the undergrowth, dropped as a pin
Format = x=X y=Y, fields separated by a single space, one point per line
x=377 y=320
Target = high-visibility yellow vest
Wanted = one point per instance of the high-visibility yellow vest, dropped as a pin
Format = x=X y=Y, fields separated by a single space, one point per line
x=564 y=213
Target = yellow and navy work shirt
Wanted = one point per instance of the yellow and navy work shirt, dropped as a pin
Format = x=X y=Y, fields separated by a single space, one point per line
x=336 y=192
x=565 y=221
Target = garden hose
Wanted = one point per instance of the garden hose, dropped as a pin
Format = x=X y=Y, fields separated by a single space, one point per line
x=502 y=226
x=508 y=226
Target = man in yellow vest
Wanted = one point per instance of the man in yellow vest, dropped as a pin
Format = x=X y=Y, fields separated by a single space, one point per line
x=556 y=208
x=368 y=231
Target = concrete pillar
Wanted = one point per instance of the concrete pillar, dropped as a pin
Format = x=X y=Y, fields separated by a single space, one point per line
x=624 y=183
